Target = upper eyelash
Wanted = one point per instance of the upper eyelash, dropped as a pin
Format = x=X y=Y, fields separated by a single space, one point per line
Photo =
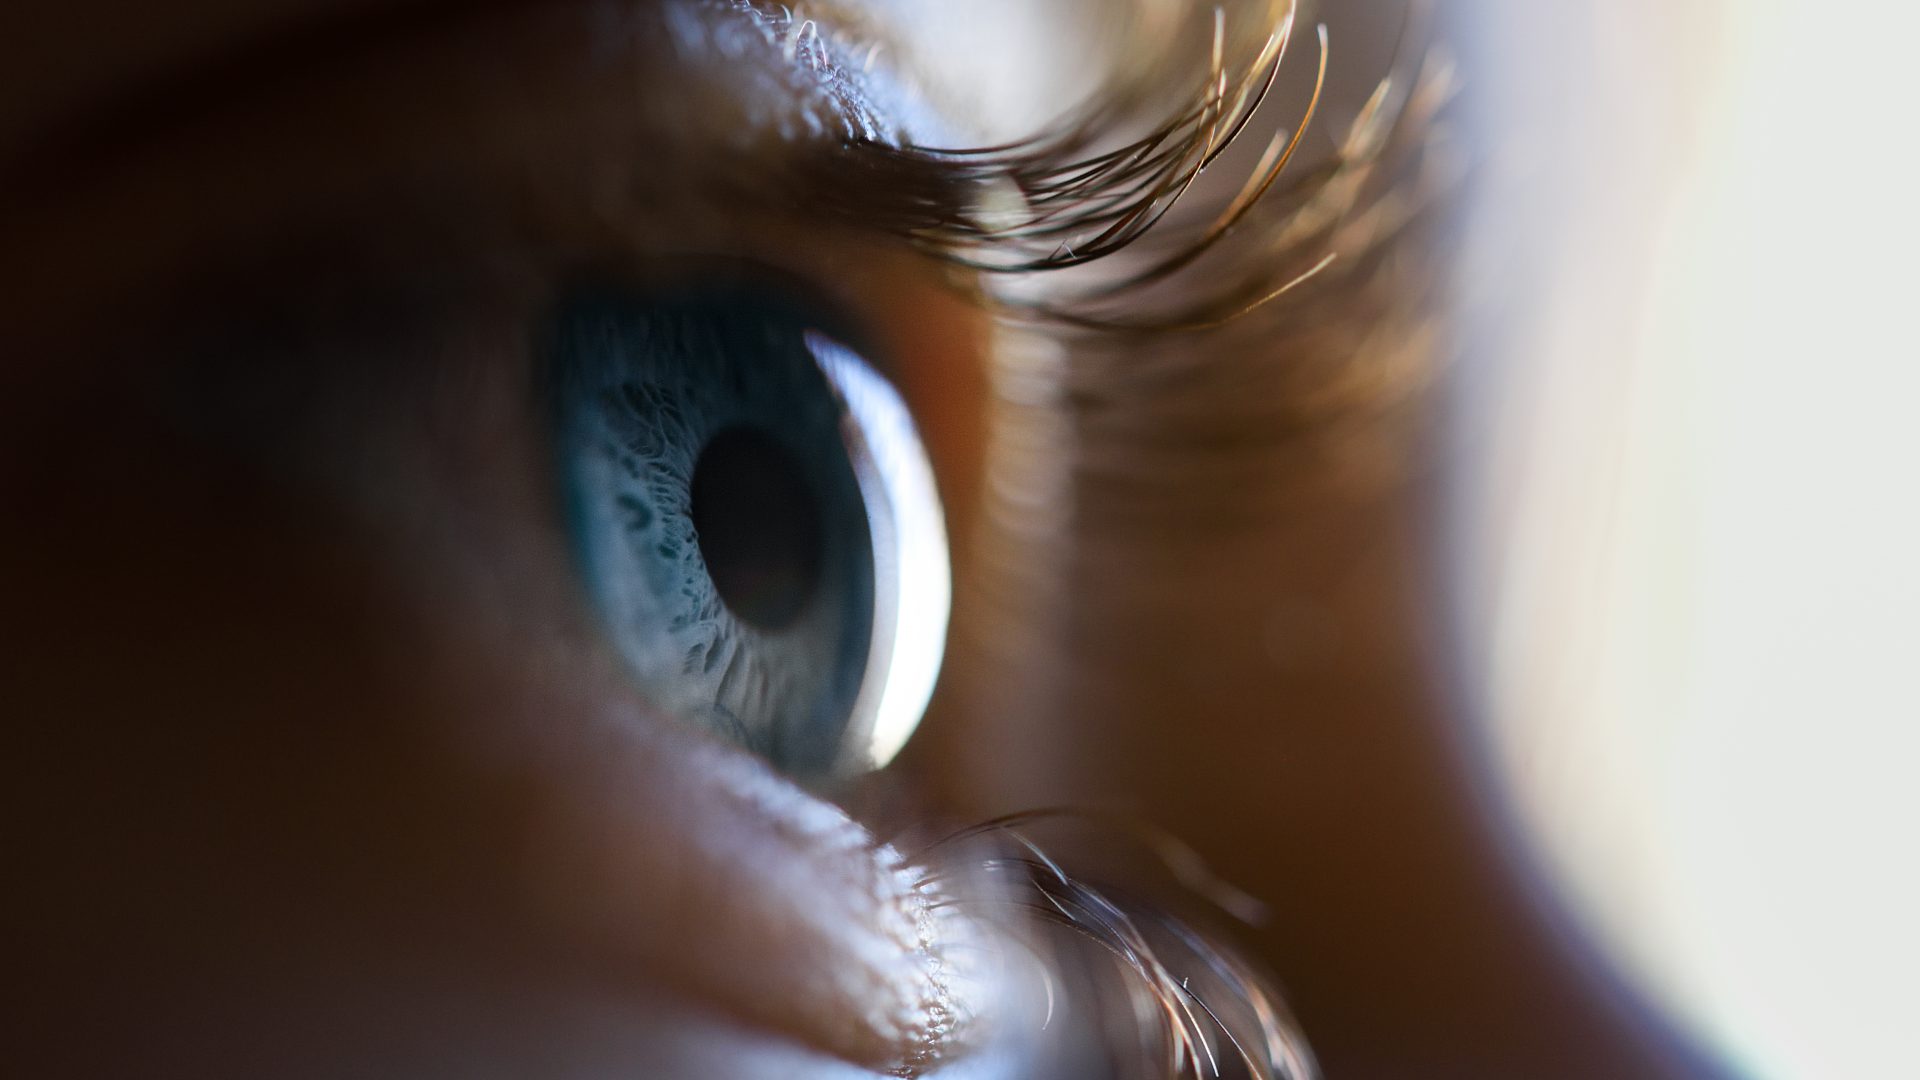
x=1067 y=198
x=1079 y=207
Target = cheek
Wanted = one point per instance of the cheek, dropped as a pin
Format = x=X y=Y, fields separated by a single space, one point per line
x=262 y=795
x=210 y=795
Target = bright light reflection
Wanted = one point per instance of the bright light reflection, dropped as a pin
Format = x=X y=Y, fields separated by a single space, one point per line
x=1705 y=663
x=912 y=577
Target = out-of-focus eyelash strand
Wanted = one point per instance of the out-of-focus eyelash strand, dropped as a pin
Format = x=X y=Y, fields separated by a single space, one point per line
x=1123 y=193
x=1216 y=1015
x=1058 y=201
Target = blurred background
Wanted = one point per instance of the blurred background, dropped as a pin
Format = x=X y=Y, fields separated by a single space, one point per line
x=1540 y=642
x=1683 y=516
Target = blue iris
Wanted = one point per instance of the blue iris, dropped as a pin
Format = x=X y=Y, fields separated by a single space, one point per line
x=714 y=510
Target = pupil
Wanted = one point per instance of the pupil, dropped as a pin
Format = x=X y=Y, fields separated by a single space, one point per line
x=759 y=527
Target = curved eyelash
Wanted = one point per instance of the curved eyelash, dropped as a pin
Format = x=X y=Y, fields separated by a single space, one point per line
x=1195 y=1008
x=1058 y=202
x=1063 y=196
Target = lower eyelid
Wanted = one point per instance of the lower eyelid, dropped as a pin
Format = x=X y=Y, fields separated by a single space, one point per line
x=661 y=855
x=666 y=860
x=771 y=906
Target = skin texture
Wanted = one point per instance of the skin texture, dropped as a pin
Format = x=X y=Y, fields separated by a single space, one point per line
x=374 y=720
x=318 y=765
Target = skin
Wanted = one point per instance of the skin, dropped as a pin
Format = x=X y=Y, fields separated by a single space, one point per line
x=318 y=764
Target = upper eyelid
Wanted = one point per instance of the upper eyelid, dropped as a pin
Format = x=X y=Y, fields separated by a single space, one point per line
x=79 y=142
x=928 y=198
x=824 y=40
x=779 y=179
x=163 y=94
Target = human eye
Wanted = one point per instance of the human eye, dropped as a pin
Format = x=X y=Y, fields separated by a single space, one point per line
x=491 y=482
x=377 y=313
x=756 y=518
x=422 y=668
x=441 y=364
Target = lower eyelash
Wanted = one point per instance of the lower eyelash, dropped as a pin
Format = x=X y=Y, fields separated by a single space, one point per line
x=1127 y=989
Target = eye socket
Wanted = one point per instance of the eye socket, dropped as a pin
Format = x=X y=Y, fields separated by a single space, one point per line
x=754 y=518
